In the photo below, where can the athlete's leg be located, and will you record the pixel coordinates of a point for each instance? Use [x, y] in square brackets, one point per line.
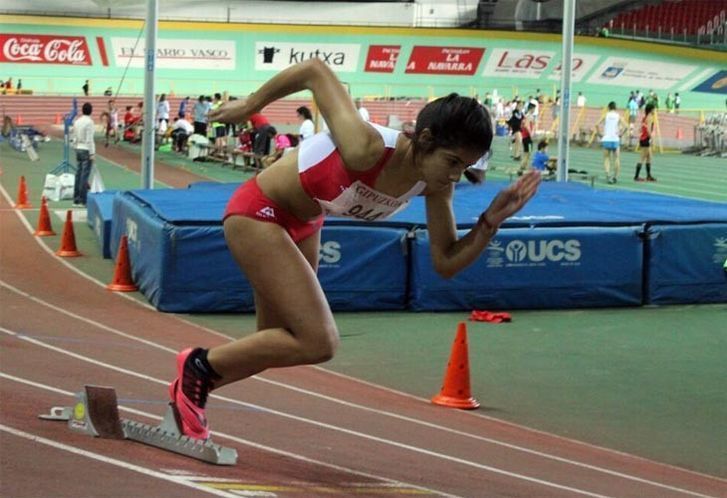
[606, 162]
[291, 297]
[616, 161]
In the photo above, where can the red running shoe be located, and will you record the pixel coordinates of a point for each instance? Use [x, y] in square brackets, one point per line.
[189, 407]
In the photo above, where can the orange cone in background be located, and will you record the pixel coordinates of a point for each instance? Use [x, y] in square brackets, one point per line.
[455, 392]
[18, 120]
[122, 281]
[44, 228]
[58, 118]
[68, 241]
[680, 134]
[21, 201]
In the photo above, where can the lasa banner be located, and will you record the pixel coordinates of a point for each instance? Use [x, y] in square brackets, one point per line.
[716, 84]
[44, 49]
[518, 63]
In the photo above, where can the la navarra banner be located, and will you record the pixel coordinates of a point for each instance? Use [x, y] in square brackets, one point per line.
[444, 60]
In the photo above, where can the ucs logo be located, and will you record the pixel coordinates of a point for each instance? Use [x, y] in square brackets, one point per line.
[330, 252]
[536, 251]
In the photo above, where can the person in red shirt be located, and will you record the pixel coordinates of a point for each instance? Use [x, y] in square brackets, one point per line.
[647, 128]
[261, 142]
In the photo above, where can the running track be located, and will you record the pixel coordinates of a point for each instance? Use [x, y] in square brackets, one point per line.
[299, 432]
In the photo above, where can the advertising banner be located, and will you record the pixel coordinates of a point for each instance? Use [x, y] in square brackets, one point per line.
[275, 56]
[44, 49]
[444, 60]
[716, 84]
[582, 65]
[177, 53]
[518, 63]
[640, 73]
[382, 58]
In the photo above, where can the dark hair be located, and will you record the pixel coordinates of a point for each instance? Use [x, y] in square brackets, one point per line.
[612, 106]
[542, 144]
[272, 131]
[87, 109]
[305, 112]
[648, 108]
[454, 121]
[218, 96]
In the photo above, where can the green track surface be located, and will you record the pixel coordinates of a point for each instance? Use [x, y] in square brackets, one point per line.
[649, 381]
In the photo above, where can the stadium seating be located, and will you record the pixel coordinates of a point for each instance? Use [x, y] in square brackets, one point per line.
[680, 16]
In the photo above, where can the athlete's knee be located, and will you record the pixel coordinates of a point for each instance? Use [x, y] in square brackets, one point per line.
[322, 347]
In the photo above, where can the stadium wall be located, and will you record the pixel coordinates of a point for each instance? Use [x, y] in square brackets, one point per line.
[56, 55]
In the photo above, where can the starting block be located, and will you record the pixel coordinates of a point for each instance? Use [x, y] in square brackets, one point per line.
[96, 413]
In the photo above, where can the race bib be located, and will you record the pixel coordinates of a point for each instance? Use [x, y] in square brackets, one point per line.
[364, 203]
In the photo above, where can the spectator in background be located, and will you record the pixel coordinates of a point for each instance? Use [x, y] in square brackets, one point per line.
[581, 100]
[108, 92]
[20, 85]
[307, 128]
[647, 128]
[9, 84]
[163, 113]
[200, 116]
[633, 115]
[281, 142]
[181, 131]
[677, 102]
[218, 129]
[669, 103]
[362, 110]
[527, 129]
[85, 146]
[183, 107]
[653, 99]
[613, 128]
[86, 88]
[542, 162]
[261, 142]
[515, 124]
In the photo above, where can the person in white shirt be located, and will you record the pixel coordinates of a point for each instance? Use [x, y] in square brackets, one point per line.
[613, 127]
[163, 113]
[82, 137]
[307, 128]
[362, 110]
[181, 131]
[581, 100]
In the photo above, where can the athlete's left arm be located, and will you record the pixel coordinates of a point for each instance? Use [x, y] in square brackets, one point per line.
[451, 255]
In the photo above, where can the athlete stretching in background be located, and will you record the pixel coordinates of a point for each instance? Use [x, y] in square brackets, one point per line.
[358, 170]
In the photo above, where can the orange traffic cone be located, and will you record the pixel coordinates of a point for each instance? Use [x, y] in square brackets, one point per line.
[68, 241]
[58, 118]
[44, 227]
[18, 120]
[680, 134]
[455, 392]
[21, 201]
[122, 281]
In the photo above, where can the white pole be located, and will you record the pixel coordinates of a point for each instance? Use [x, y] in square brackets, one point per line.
[569, 7]
[147, 143]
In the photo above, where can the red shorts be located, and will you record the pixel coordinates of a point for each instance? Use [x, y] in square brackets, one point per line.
[248, 200]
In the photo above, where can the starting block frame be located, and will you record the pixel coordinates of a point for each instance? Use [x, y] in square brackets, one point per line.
[96, 413]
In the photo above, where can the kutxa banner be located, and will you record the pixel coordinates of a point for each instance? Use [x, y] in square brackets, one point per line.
[44, 49]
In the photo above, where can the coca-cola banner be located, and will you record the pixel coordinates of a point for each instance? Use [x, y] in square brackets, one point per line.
[44, 49]
[444, 60]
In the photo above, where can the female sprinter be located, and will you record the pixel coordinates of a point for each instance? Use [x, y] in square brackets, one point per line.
[357, 170]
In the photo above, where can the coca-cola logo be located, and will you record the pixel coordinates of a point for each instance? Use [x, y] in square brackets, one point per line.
[44, 49]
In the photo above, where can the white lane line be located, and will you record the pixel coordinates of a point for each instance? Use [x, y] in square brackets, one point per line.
[388, 442]
[246, 442]
[548, 456]
[113, 461]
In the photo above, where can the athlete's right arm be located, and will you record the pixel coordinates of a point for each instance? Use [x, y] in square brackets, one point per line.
[359, 144]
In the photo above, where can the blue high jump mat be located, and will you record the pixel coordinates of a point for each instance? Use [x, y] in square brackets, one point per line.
[572, 246]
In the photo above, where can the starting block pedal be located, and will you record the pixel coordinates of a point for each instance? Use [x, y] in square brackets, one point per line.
[96, 413]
